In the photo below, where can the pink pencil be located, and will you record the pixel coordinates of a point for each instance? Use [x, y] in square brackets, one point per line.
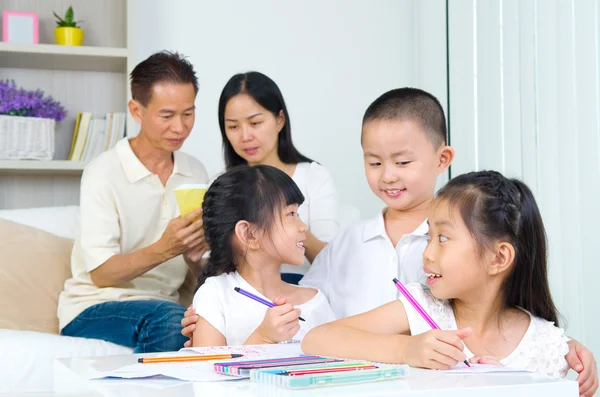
[419, 308]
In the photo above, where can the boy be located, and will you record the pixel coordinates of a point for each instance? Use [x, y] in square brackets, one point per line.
[404, 145]
[405, 149]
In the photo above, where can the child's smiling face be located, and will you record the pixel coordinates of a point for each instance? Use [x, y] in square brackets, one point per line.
[285, 240]
[401, 162]
[454, 266]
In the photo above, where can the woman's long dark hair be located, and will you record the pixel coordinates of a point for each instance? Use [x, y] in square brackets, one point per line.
[254, 194]
[496, 208]
[266, 93]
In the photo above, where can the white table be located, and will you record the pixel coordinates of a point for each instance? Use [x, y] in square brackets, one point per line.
[69, 381]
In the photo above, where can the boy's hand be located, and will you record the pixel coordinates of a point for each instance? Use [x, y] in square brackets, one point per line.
[486, 360]
[280, 322]
[188, 322]
[582, 361]
[437, 349]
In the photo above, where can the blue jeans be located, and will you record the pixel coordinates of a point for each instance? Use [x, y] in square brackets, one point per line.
[146, 326]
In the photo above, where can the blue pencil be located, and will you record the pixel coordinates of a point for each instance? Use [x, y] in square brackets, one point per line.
[258, 299]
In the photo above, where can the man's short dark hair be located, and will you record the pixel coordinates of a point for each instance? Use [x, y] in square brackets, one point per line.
[161, 67]
[411, 104]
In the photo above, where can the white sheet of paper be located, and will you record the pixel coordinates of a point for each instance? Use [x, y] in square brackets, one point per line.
[194, 371]
[200, 371]
[250, 352]
[480, 369]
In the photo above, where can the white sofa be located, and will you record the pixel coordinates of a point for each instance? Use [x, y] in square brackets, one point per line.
[28, 356]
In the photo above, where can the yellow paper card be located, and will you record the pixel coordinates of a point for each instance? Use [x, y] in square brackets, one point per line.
[189, 197]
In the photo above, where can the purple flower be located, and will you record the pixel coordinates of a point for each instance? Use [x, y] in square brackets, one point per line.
[20, 102]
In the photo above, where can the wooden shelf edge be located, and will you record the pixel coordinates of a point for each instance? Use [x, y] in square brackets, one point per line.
[41, 167]
[54, 49]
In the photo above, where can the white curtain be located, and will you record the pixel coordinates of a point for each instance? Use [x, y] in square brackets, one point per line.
[524, 99]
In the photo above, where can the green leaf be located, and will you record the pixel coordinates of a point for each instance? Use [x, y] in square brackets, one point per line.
[59, 19]
[69, 16]
[68, 22]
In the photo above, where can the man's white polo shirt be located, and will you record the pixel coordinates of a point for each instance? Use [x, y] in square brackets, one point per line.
[124, 207]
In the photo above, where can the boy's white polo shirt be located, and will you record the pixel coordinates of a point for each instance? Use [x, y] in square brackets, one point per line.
[124, 208]
[356, 269]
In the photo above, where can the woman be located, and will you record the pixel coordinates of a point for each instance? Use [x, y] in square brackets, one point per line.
[256, 129]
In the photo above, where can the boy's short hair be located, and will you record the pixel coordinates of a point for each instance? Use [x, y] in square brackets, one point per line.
[161, 67]
[411, 104]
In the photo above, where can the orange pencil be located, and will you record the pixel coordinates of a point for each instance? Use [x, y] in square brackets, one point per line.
[177, 359]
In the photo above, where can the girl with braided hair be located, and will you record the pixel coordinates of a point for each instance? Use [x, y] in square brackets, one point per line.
[251, 224]
[487, 289]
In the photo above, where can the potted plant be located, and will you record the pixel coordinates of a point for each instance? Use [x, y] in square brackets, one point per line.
[27, 122]
[67, 32]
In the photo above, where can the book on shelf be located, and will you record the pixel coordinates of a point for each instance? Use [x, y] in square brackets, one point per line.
[95, 134]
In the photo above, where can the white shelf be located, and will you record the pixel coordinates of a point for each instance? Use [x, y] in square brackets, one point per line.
[51, 56]
[39, 167]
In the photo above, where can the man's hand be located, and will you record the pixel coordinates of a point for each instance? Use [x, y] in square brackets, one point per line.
[194, 258]
[183, 234]
[582, 361]
[194, 255]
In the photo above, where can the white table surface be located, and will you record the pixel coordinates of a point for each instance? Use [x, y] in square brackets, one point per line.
[69, 381]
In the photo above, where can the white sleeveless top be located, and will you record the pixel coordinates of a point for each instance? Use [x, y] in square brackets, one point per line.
[542, 349]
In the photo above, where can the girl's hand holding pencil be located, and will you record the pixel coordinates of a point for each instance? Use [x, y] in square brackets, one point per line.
[437, 349]
[279, 324]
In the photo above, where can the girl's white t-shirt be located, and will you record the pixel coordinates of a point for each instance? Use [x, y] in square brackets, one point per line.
[236, 316]
[542, 349]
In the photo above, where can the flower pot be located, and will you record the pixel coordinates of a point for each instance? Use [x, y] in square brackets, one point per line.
[69, 36]
[29, 138]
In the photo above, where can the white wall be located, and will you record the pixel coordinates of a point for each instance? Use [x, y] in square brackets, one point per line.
[330, 58]
[525, 100]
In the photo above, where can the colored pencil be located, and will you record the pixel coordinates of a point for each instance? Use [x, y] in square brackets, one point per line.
[258, 299]
[174, 359]
[327, 370]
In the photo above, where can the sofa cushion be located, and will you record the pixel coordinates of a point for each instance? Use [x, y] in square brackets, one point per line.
[60, 220]
[33, 270]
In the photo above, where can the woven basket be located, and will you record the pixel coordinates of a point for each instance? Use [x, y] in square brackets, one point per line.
[24, 138]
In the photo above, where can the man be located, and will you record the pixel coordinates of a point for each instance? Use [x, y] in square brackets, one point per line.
[133, 252]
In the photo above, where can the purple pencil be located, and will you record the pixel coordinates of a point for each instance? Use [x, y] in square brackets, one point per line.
[419, 308]
[258, 299]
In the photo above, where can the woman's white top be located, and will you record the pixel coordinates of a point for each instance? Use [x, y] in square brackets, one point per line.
[542, 349]
[320, 208]
[236, 316]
